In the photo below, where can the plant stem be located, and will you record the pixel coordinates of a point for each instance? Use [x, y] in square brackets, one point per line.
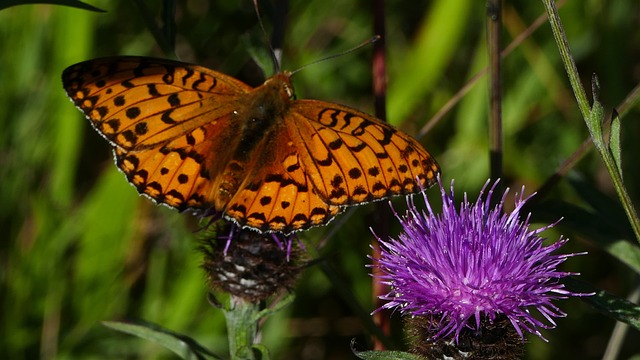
[613, 169]
[379, 71]
[592, 116]
[494, 35]
[567, 60]
[242, 327]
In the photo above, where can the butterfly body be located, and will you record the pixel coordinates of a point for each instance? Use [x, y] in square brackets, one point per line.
[256, 119]
[195, 139]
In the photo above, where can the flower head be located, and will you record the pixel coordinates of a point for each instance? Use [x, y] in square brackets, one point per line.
[470, 266]
[248, 264]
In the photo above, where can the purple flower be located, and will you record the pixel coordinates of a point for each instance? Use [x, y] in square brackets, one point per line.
[463, 268]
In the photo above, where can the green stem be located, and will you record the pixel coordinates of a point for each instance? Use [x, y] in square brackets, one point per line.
[242, 328]
[567, 59]
[593, 117]
[595, 128]
[624, 196]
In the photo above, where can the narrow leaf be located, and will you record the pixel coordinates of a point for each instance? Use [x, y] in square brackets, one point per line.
[72, 3]
[627, 252]
[614, 140]
[594, 123]
[386, 355]
[183, 346]
[612, 306]
[281, 304]
[382, 355]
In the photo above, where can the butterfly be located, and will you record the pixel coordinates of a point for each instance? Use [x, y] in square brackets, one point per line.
[195, 139]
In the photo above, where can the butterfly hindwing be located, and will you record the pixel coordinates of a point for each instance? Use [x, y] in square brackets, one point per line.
[278, 194]
[166, 177]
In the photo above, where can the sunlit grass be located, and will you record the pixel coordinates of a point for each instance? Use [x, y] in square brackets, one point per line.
[80, 246]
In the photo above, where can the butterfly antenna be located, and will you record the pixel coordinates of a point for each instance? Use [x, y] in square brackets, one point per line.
[349, 51]
[274, 57]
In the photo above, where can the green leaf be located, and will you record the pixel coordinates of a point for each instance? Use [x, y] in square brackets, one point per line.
[183, 346]
[386, 355]
[627, 252]
[281, 304]
[612, 306]
[259, 53]
[596, 117]
[594, 123]
[383, 355]
[614, 140]
[72, 3]
[262, 350]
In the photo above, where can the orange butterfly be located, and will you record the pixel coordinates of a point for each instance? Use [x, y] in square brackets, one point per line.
[196, 139]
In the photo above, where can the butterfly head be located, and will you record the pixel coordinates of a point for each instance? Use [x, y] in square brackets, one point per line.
[281, 83]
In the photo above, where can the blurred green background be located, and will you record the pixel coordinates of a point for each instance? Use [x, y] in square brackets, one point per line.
[80, 246]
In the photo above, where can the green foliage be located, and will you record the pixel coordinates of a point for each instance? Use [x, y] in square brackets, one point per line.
[70, 3]
[386, 355]
[612, 306]
[185, 348]
[80, 247]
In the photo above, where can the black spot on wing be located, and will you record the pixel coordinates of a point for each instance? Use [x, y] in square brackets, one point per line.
[141, 128]
[355, 173]
[373, 171]
[119, 100]
[183, 179]
[102, 111]
[153, 91]
[174, 100]
[133, 112]
[336, 144]
[166, 118]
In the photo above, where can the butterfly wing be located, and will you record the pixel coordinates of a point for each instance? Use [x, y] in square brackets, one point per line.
[174, 134]
[184, 172]
[138, 103]
[175, 128]
[161, 116]
[353, 158]
[278, 194]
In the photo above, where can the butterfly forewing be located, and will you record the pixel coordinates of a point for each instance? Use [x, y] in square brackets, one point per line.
[164, 117]
[137, 102]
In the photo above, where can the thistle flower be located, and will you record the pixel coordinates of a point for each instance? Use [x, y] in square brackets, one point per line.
[466, 270]
[248, 264]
